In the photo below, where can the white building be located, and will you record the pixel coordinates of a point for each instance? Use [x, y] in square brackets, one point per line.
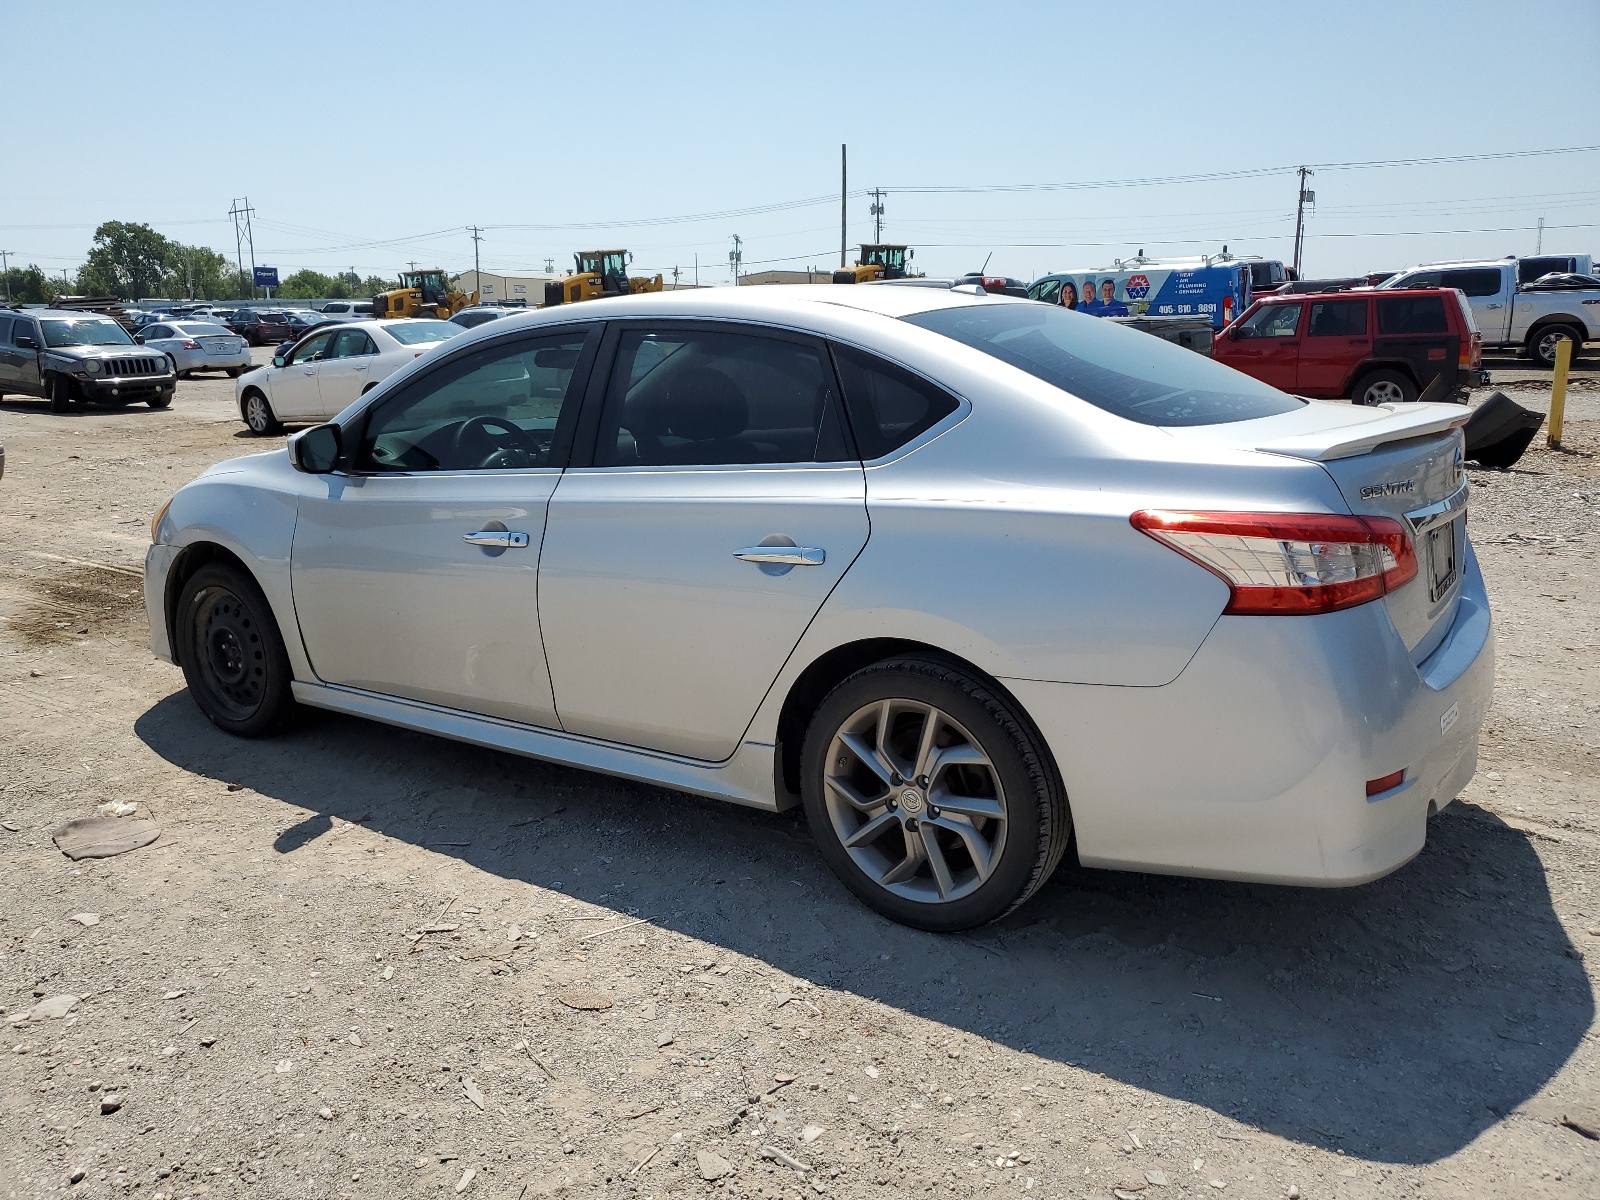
[497, 289]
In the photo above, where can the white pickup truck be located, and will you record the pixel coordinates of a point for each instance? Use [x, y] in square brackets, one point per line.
[1509, 313]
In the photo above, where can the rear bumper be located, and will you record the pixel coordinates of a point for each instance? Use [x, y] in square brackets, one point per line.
[1253, 763]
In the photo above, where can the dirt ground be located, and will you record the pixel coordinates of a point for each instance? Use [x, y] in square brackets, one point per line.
[360, 962]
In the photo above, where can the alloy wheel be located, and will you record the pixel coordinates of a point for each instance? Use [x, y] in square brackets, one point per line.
[256, 414]
[915, 801]
[1549, 344]
[1384, 391]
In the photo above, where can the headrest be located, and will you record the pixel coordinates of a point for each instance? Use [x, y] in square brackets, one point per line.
[702, 404]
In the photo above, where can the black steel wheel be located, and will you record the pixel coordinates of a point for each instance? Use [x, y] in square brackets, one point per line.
[231, 652]
[59, 389]
[932, 799]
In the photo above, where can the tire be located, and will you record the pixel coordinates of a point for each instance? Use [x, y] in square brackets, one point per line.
[232, 654]
[161, 400]
[1015, 816]
[1384, 387]
[1542, 344]
[257, 413]
[235, 372]
[59, 389]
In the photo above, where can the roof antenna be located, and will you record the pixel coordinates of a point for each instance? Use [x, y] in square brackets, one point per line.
[985, 267]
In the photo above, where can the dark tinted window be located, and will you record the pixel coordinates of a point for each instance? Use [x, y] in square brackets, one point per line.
[1412, 314]
[495, 410]
[888, 405]
[1418, 279]
[1339, 318]
[5, 329]
[694, 397]
[1124, 371]
[1482, 282]
[1529, 269]
[156, 331]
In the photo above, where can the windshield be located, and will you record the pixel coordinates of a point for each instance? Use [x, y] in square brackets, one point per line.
[94, 331]
[1123, 371]
[414, 333]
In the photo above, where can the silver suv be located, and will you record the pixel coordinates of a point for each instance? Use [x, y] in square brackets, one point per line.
[71, 358]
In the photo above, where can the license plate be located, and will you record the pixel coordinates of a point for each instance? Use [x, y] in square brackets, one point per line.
[1442, 559]
[218, 348]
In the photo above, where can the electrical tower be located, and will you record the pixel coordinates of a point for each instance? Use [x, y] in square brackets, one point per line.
[1307, 196]
[244, 234]
[736, 256]
[877, 214]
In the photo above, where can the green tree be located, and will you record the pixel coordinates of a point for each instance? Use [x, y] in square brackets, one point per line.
[199, 273]
[29, 285]
[305, 284]
[127, 259]
[373, 284]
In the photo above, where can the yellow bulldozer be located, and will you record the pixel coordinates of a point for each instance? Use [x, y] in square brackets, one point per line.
[422, 294]
[878, 261]
[596, 274]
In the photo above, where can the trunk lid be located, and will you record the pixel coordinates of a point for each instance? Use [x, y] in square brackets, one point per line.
[1404, 462]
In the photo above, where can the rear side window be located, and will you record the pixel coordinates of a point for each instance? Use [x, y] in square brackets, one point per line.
[1124, 371]
[1484, 282]
[1412, 315]
[1339, 318]
[700, 397]
[5, 329]
[888, 406]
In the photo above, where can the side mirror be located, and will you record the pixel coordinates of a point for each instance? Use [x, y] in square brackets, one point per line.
[316, 450]
[279, 360]
[139, 337]
[24, 342]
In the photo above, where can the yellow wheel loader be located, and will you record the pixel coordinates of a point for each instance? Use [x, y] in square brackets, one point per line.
[422, 294]
[596, 274]
[877, 261]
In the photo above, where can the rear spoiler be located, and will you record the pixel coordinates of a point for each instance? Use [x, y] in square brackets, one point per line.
[1389, 423]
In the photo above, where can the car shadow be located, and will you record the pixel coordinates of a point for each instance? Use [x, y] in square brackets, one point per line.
[1395, 1021]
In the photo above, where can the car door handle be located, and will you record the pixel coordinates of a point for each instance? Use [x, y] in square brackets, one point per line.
[788, 556]
[359, 366]
[505, 539]
[1496, 306]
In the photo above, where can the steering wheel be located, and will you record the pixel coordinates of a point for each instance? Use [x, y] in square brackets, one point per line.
[476, 441]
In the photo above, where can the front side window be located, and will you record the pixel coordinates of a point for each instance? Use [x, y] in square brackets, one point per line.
[493, 410]
[312, 349]
[1412, 315]
[1339, 318]
[889, 406]
[696, 397]
[1049, 291]
[98, 331]
[1123, 371]
[1271, 321]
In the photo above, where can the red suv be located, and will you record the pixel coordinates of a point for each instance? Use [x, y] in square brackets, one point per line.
[1374, 347]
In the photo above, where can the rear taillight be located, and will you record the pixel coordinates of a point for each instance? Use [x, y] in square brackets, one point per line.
[1284, 564]
[1471, 352]
[190, 345]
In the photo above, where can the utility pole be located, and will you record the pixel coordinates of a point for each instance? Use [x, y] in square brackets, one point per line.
[477, 236]
[736, 257]
[412, 263]
[1538, 247]
[844, 199]
[5, 273]
[549, 266]
[1306, 197]
[697, 270]
[674, 278]
[877, 214]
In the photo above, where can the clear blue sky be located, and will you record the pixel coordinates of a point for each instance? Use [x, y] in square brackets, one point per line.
[351, 127]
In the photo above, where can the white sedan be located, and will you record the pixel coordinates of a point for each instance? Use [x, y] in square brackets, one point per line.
[320, 375]
[198, 346]
[979, 582]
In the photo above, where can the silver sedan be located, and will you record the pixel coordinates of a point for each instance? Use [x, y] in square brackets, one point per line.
[977, 581]
[198, 346]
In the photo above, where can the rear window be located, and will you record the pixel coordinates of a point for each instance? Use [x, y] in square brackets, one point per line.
[1412, 315]
[415, 332]
[1478, 282]
[1126, 372]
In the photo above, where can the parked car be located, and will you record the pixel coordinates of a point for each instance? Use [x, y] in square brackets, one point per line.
[471, 318]
[327, 370]
[995, 285]
[302, 323]
[1376, 347]
[261, 326]
[73, 358]
[1510, 315]
[198, 346]
[347, 310]
[941, 567]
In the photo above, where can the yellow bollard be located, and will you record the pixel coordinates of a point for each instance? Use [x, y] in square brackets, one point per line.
[1558, 393]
